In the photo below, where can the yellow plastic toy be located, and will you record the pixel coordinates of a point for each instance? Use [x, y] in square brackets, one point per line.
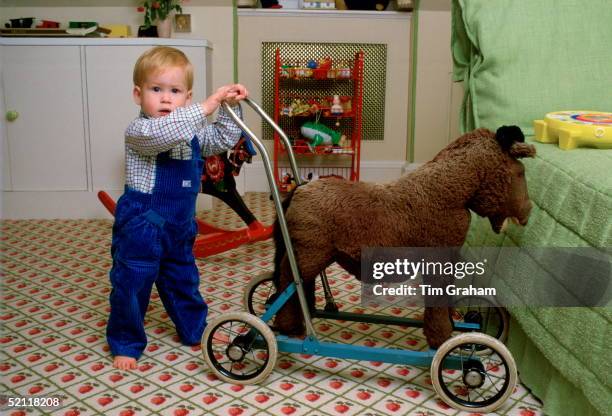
[572, 129]
[119, 31]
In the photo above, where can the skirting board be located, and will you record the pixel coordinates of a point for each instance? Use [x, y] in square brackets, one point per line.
[409, 167]
[64, 205]
[253, 177]
[85, 205]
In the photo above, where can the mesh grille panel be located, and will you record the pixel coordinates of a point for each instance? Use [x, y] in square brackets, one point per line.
[375, 70]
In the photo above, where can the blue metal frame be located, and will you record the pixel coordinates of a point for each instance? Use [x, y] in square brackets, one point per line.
[311, 345]
[356, 317]
[388, 320]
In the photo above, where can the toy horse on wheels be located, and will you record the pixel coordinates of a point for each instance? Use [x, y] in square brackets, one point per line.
[242, 348]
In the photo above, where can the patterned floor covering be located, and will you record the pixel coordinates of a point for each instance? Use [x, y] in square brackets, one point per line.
[54, 306]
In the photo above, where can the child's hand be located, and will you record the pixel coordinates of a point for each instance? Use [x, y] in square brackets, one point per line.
[237, 93]
[231, 93]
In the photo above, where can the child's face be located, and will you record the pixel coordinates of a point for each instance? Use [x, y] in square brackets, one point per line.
[163, 92]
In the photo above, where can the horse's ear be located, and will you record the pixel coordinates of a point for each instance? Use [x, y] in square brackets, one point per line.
[518, 150]
[512, 140]
[506, 136]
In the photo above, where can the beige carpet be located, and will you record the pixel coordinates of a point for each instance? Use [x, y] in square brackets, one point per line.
[54, 305]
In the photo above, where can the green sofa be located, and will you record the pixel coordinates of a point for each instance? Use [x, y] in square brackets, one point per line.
[518, 60]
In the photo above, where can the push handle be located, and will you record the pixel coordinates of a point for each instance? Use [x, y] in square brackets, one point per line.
[258, 144]
[282, 222]
[283, 136]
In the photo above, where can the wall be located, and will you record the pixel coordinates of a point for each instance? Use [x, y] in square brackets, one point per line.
[381, 160]
[437, 99]
[394, 31]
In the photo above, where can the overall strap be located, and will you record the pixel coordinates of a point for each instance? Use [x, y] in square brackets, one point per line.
[195, 148]
[164, 156]
[195, 151]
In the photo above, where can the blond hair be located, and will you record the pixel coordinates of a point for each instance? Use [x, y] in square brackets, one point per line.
[161, 57]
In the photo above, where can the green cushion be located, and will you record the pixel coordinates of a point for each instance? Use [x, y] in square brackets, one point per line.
[521, 59]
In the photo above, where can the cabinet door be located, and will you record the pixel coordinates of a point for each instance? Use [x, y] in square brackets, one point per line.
[46, 142]
[4, 160]
[111, 107]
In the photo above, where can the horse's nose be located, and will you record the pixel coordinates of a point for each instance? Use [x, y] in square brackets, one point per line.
[526, 211]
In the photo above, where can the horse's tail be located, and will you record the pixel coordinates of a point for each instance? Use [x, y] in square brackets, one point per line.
[279, 242]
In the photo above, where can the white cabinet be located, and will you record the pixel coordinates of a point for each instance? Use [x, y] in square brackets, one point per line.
[46, 144]
[73, 98]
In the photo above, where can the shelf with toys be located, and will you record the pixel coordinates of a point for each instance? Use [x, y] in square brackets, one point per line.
[307, 105]
[318, 103]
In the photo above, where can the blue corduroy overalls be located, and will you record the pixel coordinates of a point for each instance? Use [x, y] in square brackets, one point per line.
[153, 238]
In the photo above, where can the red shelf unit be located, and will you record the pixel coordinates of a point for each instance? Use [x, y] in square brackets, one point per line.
[293, 80]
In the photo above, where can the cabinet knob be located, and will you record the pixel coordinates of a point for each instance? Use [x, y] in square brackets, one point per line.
[12, 115]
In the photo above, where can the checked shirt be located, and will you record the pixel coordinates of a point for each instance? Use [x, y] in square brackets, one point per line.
[146, 137]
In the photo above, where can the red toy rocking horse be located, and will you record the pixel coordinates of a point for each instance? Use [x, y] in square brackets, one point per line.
[218, 181]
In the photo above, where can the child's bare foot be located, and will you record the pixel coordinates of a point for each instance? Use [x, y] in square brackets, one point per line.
[124, 363]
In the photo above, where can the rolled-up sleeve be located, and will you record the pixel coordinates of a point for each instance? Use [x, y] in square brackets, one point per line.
[151, 136]
[221, 135]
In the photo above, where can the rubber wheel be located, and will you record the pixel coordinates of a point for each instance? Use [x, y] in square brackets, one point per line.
[239, 348]
[257, 292]
[484, 383]
[477, 309]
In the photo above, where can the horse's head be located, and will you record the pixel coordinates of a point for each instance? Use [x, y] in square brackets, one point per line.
[502, 190]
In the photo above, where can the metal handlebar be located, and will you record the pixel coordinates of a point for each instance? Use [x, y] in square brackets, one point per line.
[276, 195]
[282, 135]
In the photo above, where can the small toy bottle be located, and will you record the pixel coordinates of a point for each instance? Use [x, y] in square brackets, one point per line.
[336, 108]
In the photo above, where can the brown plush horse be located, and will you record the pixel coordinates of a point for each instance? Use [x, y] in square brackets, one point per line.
[330, 220]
